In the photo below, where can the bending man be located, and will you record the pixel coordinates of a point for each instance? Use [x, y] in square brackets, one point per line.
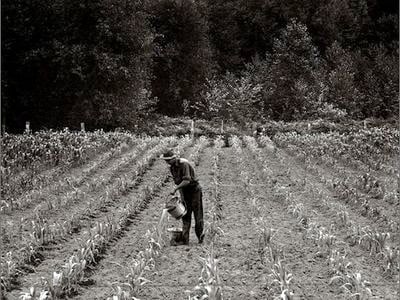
[190, 190]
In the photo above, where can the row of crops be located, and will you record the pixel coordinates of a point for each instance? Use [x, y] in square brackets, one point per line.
[30, 161]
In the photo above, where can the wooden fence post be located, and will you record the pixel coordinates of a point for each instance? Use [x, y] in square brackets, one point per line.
[27, 127]
[192, 130]
[82, 127]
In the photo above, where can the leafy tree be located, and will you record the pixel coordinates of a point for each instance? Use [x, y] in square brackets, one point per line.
[183, 58]
[231, 98]
[290, 76]
[378, 78]
[341, 84]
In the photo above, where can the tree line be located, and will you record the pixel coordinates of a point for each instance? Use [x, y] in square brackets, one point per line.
[116, 63]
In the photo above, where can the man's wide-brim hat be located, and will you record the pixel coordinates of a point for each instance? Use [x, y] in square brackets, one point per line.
[169, 154]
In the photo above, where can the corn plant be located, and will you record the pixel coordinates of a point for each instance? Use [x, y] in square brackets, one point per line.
[8, 271]
[73, 272]
[135, 277]
[325, 241]
[30, 253]
[338, 262]
[195, 156]
[281, 276]
[120, 294]
[275, 254]
[322, 237]
[55, 286]
[32, 295]
[354, 286]
[209, 286]
[355, 234]
[343, 216]
[374, 241]
[265, 236]
[392, 260]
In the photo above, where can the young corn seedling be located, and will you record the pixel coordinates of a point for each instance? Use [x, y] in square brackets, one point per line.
[374, 241]
[343, 216]
[325, 241]
[356, 287]
[209, 286]
[136, 271]
[120, 294]
[256, 207]
[73, 272]
[55, 287]
[32, 295]
[30, 253]
[39, 230]
[281, 276]
[296, 209]
[7, 271]
[392, 260]
[275, 254]
[212, 229]
[265, 236]
[338, 262]
[355, 234]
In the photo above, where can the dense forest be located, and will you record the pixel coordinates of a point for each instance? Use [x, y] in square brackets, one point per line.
[118, 63]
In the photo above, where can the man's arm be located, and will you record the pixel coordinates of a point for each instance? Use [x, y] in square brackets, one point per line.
[181, 185]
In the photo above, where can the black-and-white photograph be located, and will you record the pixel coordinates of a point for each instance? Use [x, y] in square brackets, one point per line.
[200, 150]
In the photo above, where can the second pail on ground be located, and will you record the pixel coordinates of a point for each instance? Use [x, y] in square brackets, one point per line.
[175, 207]
[176, 233]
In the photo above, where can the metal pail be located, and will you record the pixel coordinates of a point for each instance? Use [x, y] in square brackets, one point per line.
[175, 207]
[176, 233]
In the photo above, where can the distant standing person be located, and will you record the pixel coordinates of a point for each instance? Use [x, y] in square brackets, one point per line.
[190, 190]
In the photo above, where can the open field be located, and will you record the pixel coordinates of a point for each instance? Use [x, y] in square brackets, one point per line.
[297, 216]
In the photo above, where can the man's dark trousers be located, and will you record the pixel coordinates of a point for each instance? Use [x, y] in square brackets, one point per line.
[193, 198]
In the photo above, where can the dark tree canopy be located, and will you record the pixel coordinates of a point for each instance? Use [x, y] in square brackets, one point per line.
[110, 63]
